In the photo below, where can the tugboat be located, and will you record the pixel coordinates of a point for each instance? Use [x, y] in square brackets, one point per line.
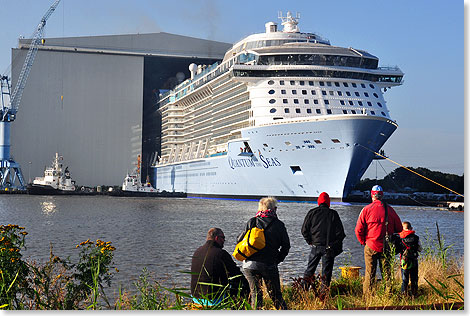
[133, 186]
[56, 181]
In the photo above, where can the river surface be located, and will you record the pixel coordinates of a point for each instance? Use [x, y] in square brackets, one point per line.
[161, 234]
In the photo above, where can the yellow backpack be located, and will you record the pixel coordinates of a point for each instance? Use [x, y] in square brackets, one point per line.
[252, 242]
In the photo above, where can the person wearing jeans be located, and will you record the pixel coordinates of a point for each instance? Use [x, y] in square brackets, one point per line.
[262, 265]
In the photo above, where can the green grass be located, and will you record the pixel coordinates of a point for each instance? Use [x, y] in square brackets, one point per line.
[63, 285]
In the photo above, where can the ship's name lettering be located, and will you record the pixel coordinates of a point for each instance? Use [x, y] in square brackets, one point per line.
[269, 162]
[240, 163]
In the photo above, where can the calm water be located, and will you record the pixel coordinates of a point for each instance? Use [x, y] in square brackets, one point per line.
[161, 234]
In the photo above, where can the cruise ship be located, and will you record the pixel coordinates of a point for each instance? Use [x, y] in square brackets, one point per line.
[284, 114]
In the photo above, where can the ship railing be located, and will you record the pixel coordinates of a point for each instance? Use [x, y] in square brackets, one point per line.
[192, 84]
[389, 68]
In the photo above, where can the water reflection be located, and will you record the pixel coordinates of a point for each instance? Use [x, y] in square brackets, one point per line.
[48, 207]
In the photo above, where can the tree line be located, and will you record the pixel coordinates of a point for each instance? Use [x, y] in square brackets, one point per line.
[400, 178]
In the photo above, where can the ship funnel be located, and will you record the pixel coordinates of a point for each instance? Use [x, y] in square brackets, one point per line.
[271, 27]
[192, 70]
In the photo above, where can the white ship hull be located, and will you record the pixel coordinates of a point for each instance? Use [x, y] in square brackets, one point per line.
[292, 161]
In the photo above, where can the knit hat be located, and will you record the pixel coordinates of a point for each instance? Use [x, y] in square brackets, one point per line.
[377, 190]
[324, 198]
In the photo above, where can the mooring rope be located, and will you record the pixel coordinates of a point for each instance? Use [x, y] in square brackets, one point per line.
[410, 170]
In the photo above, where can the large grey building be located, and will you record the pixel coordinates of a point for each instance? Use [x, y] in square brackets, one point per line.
[93, 100]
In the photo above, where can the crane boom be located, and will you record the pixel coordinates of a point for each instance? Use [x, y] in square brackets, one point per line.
[10, 171]
[36, 40]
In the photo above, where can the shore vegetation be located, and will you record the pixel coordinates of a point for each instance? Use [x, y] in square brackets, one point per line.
[60, 284]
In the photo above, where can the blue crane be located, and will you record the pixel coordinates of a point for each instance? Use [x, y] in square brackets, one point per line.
[10, 171]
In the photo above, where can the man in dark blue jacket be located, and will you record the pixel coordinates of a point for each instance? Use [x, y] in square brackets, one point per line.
[213, 265]
[315, 229]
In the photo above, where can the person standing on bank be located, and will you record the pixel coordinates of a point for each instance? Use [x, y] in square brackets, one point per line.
[263, 264]
[211, 264]
[370, 232]
[322, 227]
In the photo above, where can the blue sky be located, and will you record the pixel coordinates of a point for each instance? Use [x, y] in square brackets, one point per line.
[424, 38]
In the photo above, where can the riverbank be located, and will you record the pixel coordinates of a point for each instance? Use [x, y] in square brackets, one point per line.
[88, 282]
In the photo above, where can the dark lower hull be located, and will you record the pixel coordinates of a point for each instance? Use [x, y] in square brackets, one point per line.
[147, 194]
[47, 190]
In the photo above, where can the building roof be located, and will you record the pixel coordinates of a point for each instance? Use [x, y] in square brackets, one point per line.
[160, 44]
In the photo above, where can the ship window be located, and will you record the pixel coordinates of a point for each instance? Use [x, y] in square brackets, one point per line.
[278, 118]
[340, 93]
[318, 111]
[331, 92]
[328, 83]
[317, 141]
[323, 92]
[283, 91]
[292, 83]
[296, 101]
[372, 112]
[272, 101]
[345, 84]
[309, 111]
[351, 102]
[286, 110]
[315, 101]
[379, 104]
[354, 85]
[356, 93]
[306, 101]
[375, 95]
[271, 91]
[363, 85]
[273, 110]
[327, 102]
[335, 140]
[322, 83]
[302, 83]
[345, 112]
[297, 110]
[348, 93]
[314, 92]
[337, 84]
[284, 101]
[360, 103]
[372, 86]
[383, 113]
[281, 82]
[270, 82]
[304, 91]
[353, 111]
[296, 170]
[366, 94]
[310, 83]
[341, 101]
[294, 91]
[328, 111]
[369, 103]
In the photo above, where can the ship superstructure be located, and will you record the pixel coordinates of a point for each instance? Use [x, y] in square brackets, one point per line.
[56, 180]
[282, 114]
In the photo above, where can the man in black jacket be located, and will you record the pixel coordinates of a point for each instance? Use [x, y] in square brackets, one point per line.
[212, 264]
[315, 231]
[263, 264]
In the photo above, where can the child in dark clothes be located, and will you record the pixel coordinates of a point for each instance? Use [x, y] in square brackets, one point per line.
[409, 258]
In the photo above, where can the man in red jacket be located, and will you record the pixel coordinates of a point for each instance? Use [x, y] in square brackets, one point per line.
[370, 231]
